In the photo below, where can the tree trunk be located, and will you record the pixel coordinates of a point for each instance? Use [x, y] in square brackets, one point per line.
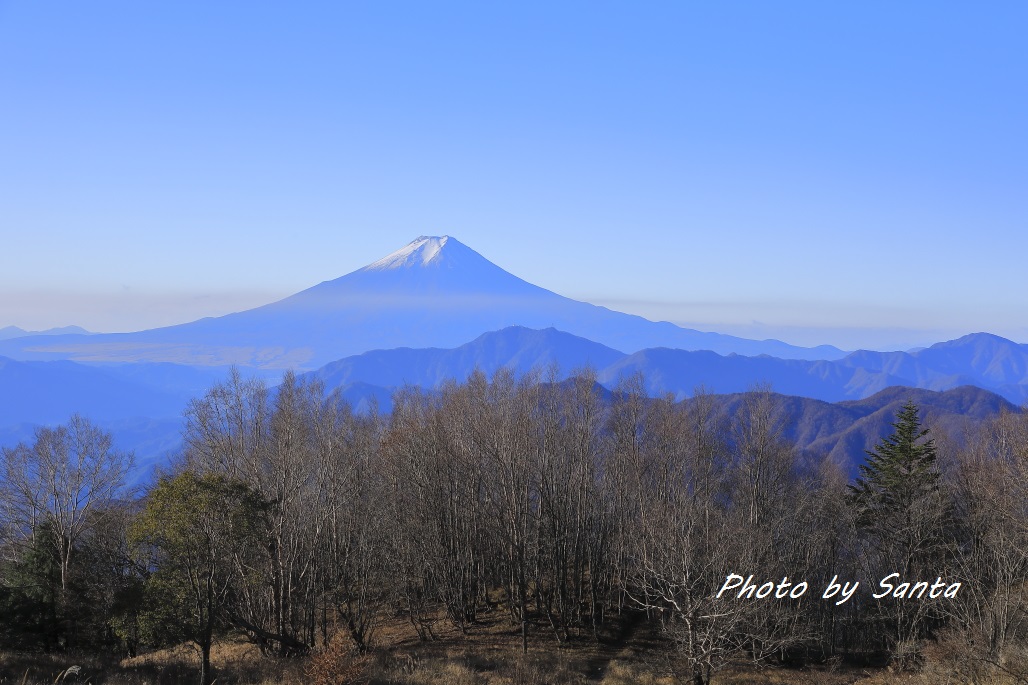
[205, 660]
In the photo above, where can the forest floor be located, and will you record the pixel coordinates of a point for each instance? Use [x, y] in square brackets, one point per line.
[629, 650]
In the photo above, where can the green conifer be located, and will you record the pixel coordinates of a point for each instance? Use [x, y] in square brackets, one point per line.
[900, 472]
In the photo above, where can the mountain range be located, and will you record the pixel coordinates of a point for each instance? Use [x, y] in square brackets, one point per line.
[436, 310]
[982, 360]
[8, 332]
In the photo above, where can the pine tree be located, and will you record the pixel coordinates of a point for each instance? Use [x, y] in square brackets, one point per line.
[899, 510]
[899, 474]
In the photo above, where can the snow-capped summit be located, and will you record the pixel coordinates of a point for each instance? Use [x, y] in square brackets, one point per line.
[422, 251]
[430, 269]
[433, 292]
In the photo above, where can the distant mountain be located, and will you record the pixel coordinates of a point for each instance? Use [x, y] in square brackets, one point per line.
[680, 372]
[982, 360]
[50, 392]
[153, 442]
[141, 405]
[520, 349]
[408, 319]
[435, 292]
[176, 379]
[840, 431]
[8, 332]
[844, 430]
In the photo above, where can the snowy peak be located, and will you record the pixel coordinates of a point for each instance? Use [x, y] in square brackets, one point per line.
[429, 271]
[424, 251]
[433, 292]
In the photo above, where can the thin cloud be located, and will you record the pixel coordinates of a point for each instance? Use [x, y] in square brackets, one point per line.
[121, 310]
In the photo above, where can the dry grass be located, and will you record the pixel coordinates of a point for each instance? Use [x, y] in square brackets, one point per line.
[515, 670]
[629, 652]
[233, 661]
[622, 673]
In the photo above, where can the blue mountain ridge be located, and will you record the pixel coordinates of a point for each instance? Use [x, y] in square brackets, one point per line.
[143, 404]
[419, 317]
[8, 332]
[982, 360]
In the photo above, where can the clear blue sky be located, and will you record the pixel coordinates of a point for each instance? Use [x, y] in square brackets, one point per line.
[851, 173]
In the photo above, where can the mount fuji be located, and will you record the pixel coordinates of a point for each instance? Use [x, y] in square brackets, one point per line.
[434, 292]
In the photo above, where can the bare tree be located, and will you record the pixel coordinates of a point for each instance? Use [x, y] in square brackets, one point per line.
[271, 442]
[679, 541]
[707, 498]
[507, 441]
[62, 485]
[436, 487]
[571, 562]
[354, 507]
[989, 484]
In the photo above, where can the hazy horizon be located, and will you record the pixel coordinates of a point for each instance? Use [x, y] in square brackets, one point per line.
[137, 311]
[847, 175]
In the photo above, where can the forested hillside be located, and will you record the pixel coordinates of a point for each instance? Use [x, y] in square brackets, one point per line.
[568, 518]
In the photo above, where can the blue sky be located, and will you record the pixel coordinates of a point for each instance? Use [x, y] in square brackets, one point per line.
[850, 173]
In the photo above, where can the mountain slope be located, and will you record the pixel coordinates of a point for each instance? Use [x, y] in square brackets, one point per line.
[520, 349]
[435, 292]
[844, 430]
[50, 392]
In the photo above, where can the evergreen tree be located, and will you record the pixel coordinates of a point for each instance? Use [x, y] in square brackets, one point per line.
[30, 584]
[197, 534]
[900, 514]
[899, 474]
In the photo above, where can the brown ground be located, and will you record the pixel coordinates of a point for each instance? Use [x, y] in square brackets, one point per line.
[629, 651]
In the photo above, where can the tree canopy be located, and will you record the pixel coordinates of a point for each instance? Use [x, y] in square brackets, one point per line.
[197, 533]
